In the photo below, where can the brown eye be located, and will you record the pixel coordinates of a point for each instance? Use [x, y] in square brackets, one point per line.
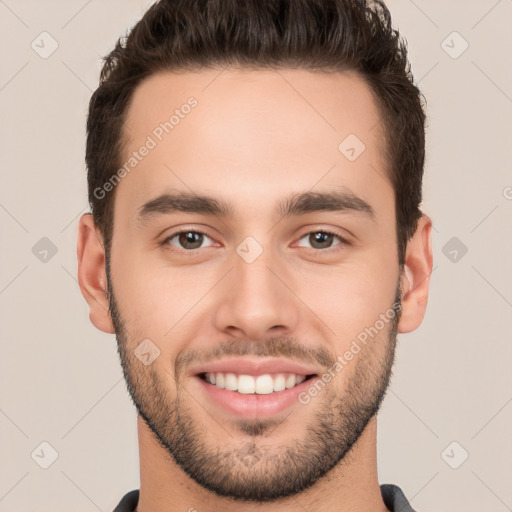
[191, 240]
[188, 240]
[322, 239]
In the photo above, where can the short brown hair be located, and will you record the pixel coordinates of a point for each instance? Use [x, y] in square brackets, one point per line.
[319, 35]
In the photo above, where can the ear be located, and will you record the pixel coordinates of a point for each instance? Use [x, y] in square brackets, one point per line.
[415, 278]
[92, 277]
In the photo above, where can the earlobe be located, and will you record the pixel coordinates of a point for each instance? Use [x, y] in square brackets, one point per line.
[91, 274]
[415, 279]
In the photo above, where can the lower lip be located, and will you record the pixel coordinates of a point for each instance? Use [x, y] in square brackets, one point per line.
[253, 406]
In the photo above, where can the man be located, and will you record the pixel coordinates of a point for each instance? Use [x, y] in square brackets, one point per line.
[256, 244]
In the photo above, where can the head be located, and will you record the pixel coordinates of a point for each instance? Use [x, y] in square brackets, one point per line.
[274, 214]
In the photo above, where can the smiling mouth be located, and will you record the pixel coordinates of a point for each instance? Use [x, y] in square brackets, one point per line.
[254, 384]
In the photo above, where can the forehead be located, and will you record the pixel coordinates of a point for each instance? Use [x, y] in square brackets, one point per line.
[253, 134]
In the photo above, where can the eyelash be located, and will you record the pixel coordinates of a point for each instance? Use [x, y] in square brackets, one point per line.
[167, 245]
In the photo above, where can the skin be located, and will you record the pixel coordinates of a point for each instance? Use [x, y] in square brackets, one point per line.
[319, 298]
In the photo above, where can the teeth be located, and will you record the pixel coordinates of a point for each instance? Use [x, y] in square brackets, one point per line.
[230, 382]
[290, 381]
[279, 382]
[264, 385]
[260, 385]
[246, 384]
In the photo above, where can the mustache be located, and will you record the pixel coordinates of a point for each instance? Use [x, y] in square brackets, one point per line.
[282, 346]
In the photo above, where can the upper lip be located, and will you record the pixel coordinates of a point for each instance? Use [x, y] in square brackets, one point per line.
[259, 366]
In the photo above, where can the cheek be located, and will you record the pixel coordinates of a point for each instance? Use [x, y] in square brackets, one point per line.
[159, 302]
[351, 297]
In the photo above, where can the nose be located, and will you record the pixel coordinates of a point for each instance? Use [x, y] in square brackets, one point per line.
[257, 300]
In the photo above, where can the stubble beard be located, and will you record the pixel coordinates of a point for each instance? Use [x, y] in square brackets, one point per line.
[246, 469]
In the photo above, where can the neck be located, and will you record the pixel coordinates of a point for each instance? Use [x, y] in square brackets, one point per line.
[351, 486]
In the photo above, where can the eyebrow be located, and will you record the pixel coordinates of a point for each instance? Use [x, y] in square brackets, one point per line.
[295, 205]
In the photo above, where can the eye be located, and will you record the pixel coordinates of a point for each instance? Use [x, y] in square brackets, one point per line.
[188, 239]
[323, 239]
[191, 240]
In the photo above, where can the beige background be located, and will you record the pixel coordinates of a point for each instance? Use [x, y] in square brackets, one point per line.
[61, 381]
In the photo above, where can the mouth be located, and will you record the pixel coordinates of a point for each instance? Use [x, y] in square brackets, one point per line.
[253, 388]
[245, 384]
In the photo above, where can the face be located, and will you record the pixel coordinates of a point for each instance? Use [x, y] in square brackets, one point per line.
[254, 271]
